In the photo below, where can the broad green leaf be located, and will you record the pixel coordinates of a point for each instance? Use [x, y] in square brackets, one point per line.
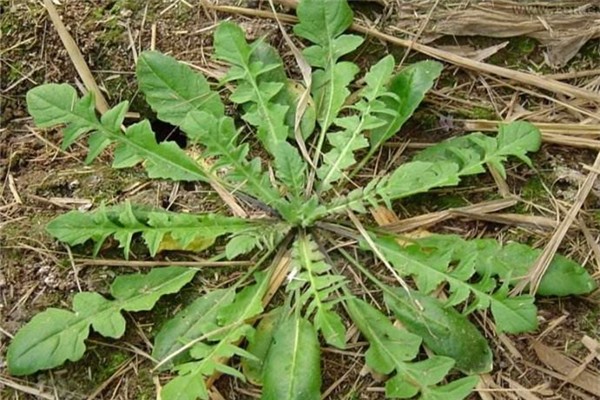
[173, 89]
[512, 261]
[310, 271]
[392, 349]
[197, 319]
[52, 104]
[55, 336]
[155, 226]
[292, 369]
[322, 21]
[445, 331]
[431, 268]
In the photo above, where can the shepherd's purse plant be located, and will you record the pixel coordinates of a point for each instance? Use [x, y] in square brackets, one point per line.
[315, 137]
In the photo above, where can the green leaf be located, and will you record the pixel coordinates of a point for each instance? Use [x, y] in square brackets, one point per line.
[290, 95]
[259, 344]
[441, 165]
[197, 319]
[155, 226]
[292, 369]
[370, 107]
[409, 88]
[55, 336]
[316, 275]
[228, 326]
[269, 117]
[512, 261]
[323, 21]
[52, 104]
[471, 152]
[290, 168]
[445, 331]
[389, 345]
[431, 268]
[392, 349]
[220, 138]
[173, 89]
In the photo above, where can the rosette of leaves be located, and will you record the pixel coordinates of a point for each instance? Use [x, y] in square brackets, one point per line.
[345, 126]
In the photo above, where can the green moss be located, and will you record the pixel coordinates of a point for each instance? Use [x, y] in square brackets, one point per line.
[483, 113]
[534, 190]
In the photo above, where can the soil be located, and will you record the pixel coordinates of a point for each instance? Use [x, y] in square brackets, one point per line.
[41, 181]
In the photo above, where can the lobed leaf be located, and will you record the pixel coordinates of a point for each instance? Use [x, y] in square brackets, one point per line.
[268, 116]
[322, 23]
[55, 336]
[442, 165]
[223, 328]
[391, 349]
[311, 271]
[409, 87]
[53, 104]
[512, 261]
[432, 268]
[160, 229]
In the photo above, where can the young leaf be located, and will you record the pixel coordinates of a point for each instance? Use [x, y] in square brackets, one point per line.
[430, 269]
[322, 23]
[56, 335]
[314, 273]
[155, 226]
[292, 369]
[512, 261]
[53, 104]
[391, 349]
[173, 89]
[445, 331]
